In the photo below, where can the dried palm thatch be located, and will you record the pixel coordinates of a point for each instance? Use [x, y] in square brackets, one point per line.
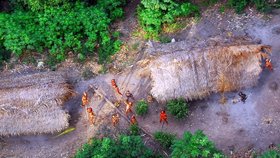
[31, 104]
[196, 74]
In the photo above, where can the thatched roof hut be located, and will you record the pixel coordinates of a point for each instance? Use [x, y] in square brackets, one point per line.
[31, 104]
[195, 74]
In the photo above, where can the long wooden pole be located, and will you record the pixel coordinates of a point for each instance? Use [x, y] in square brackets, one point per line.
[123, 115]
[110, 103]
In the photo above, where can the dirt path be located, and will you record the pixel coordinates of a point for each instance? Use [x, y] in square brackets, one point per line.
[230, 126]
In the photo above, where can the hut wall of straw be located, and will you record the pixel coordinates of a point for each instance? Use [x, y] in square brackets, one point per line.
[31, 104]
[198, 73]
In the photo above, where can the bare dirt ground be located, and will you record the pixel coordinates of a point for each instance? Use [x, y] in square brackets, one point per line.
[233, 127]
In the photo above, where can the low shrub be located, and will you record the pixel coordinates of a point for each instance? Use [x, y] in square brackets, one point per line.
[222, 9]
[141, 107]
[178, 108]
[165, 139]
[164, 39]
[134, 130]
[272, 153]
[4, 55]
[261, 5]
[124, 146]
[238, 5]
[211, 2]
[135, 46]
[194, 146]
[87, 73]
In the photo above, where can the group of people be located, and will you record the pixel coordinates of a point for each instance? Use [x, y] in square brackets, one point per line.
[128, 101]
[128, 104]
[90, 113]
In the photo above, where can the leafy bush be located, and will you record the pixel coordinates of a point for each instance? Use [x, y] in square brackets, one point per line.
[35, 5]
[165, 139]
[4, 55]
[141, 107]
[271, 153]
[112, 7]
[261, 5]
[209, 2]
[178, 107]
[124, 146]
[153, 13]
[87, 73]
[194, 145]
[59, 29]
[134, 130]
[222, 9]
[238, 5]
[164, 39]
[135, 46]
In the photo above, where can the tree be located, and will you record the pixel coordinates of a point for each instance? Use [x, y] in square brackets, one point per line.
[195, 145]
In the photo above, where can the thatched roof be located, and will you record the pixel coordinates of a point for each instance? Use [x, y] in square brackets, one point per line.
[31, 104]
[196, 73]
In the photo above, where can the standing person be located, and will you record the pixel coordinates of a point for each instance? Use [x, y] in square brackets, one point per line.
[128, 95]
[91, 116]
[268, 64]
[150, 98]
[115, 119]
[163, 117]
[114, 85]
[242, 96]
[128, 107]
[84, 99]
[133, 120]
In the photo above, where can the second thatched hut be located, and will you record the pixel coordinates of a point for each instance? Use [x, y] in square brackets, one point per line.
[32, 103]
[195, 74]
